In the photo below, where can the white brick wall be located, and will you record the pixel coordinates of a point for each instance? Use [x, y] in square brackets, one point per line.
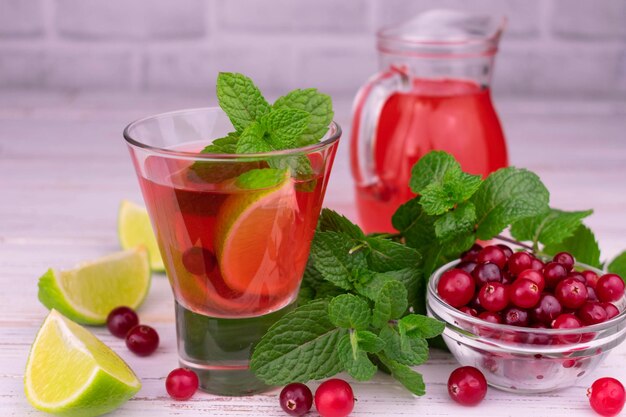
[565, 48]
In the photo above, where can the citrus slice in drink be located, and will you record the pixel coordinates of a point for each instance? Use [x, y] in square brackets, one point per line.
[253, 237]
[134, 229]
[71, 373]
[88, 293]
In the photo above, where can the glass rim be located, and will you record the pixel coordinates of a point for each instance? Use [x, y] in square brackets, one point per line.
[453, 312]
[332, 135]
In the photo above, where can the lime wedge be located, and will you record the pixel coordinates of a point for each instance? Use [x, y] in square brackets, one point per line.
[134, 229]
[71, 373]
[249, 226]
[89, 292]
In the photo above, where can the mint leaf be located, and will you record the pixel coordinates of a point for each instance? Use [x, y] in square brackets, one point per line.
[300, 346]
[331, 221]
[240, 99]
[355, 360]
[432, 169]
[458, 222]
[386, 255]
[414, 325]
[251, 140]
[411, 380]
[318, 105]
[582, 244]
[368, 341]
[550, 227]
[414, 351]
[411, 278]
[226, 144]
[507, 196]
[349, 312]
[332, 258]
[415, 225]
[618, 265]
[456, 188]
[391, 303]
[260, 178]
[284, 127]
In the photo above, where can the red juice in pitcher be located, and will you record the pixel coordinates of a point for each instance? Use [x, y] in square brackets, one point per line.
[432, 93]
[455, 116]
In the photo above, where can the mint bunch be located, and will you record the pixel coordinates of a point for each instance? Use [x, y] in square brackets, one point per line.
[359, 300]
[362, 296]
[296, 120]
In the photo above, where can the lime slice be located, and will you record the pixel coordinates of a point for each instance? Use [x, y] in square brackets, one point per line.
[249, 226]
[134, 229]
[71, 373]
[89, 292]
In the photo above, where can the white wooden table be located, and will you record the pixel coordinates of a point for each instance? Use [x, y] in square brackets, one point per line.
[64, 169]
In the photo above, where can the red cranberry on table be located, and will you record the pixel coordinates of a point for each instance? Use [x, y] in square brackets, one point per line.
[142, 340]
[181, 384]
[120, 320]
[607, 396]
[467, 385]
[334, 398]
[296, 399]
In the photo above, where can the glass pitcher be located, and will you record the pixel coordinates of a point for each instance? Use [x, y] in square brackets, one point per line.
[432, 92]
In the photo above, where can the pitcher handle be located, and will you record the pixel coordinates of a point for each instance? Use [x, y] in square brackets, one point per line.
[366, 110]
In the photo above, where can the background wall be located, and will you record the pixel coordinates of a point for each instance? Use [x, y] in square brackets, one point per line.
[556, 48]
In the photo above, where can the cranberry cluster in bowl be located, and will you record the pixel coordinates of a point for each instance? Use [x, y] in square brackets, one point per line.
[530, 323]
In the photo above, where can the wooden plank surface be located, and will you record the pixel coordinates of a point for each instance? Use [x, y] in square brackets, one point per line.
[64, 169]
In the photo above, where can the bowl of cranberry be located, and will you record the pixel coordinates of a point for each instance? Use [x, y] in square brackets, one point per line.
[530, 323]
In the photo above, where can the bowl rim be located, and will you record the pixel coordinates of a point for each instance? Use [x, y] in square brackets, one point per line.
[433, 295]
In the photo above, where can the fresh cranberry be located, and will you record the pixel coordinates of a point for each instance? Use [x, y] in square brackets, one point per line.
[466, 266]
[514, 316]
[456, 287]
[507, 251]
[120, 320]
[493, 296]
[475, 303]
[467, 385]
[591, 278]
[611, 310]
[571, 293]
[181, 384]
[592, 313]
[469, 311]
[553, 272]
[296, 399]
[487, 272]
[546, 310]
[519, 262]
[472, 253]
[198, 260]
[490, 317]
[566, 259]
[578, 277]
[492, 254]
[534, 276]
[610, 287]
[142, 340]
[591, 294]
[567, 321]
[334, 398]
[524, 293]
[607, 396]
[537, 265]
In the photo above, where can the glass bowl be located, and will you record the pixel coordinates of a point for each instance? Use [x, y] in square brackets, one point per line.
[524, 359]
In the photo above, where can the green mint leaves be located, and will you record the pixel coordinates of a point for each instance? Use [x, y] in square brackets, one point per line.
[261, 178]
[298, 119]
[364, 292]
